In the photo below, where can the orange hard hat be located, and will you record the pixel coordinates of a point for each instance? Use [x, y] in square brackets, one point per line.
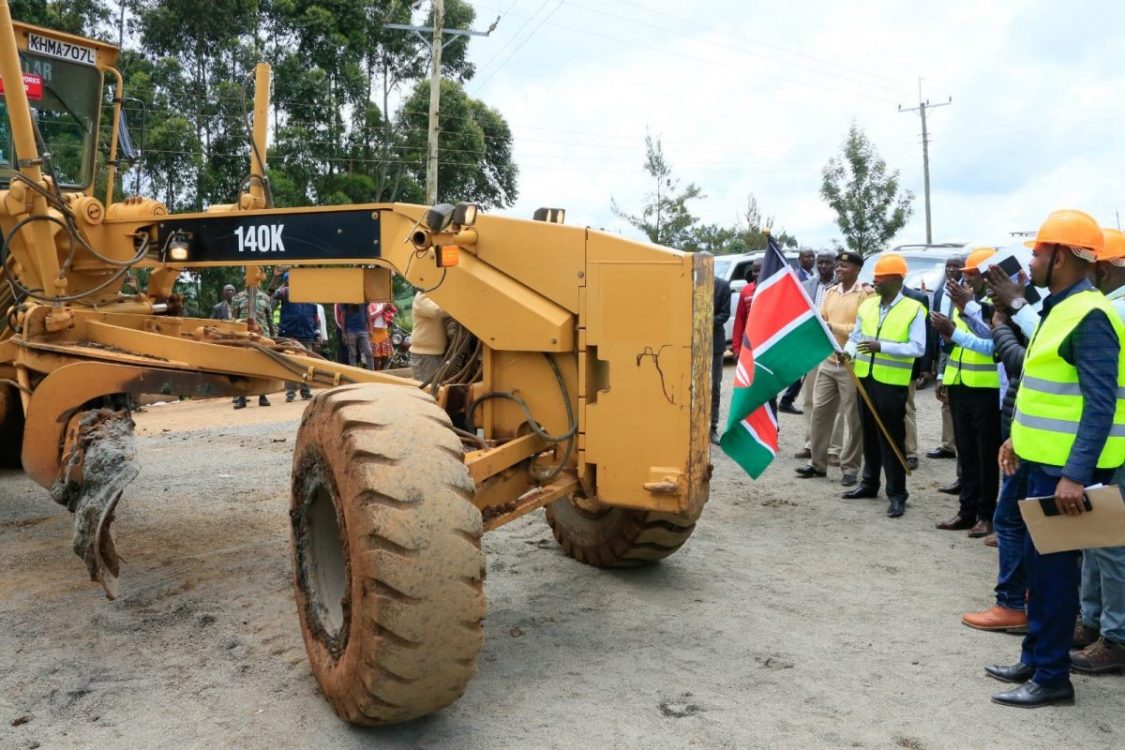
[1071, 228]
[1114, 248]
[890, 264]
[978, 256]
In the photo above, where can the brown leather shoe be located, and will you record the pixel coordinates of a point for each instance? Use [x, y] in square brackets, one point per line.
[1100, 656]
[957, 523]
[803, 453]
[990, 541]
[997, 618]
[1084, 635]
[982, 528]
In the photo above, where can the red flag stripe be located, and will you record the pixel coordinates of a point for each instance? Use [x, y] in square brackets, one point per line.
[775, 307]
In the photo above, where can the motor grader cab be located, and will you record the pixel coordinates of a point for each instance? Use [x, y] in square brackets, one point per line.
[588, 391]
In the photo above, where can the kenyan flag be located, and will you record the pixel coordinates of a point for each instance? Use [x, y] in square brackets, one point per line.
[783, 340]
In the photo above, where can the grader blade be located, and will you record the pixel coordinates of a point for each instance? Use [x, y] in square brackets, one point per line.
[99, 463]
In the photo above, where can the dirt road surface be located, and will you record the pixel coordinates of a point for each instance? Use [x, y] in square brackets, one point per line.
[792, 619]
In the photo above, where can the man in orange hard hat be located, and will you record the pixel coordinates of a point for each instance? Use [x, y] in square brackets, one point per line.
[1069, 431]
[889, 334]
[971, 384]
[1099, 637]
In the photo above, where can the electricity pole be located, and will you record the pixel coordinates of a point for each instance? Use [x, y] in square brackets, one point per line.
[923, 105]
[436, 46]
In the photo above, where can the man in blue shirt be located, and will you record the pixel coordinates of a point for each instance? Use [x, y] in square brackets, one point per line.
[298, 321]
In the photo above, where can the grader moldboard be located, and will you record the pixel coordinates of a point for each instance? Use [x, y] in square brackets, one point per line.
[592, 397]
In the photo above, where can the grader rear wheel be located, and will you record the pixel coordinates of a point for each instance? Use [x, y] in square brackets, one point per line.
[617, 537]
[386, 553]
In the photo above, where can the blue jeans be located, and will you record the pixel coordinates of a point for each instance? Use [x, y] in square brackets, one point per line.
[1052, 595]
[1011, 538]
[1103, 586]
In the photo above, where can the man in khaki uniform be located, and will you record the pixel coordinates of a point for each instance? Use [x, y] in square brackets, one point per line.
[428, 339]
[835, 391]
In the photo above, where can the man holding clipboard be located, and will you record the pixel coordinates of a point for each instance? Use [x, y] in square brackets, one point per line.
[1069, 430]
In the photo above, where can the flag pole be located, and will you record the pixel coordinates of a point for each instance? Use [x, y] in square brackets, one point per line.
[875, 414]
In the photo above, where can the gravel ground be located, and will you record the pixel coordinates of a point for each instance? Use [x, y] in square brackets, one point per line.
[792, 618]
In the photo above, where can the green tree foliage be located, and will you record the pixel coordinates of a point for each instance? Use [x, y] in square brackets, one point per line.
[869, 204]
[665, 218]
[345, 125]
[752, 229]
[472, 133]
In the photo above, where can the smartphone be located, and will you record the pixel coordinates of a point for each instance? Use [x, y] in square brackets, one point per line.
[1011, 266]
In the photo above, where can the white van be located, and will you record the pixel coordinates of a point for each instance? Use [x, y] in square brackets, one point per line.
[733, 268]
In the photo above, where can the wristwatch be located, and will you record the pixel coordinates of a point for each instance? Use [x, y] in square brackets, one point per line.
[1018, 303]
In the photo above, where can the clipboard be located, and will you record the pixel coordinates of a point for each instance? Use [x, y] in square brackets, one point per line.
[1102, 525]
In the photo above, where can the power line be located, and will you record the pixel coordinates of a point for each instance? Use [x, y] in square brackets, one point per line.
[518, 47]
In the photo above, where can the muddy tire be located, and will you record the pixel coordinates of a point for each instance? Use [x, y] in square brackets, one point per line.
[386, 553]
[617, 537]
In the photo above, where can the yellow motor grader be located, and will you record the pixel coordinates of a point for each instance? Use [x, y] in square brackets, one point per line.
[589, 391]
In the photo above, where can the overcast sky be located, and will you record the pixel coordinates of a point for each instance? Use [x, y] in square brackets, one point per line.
[752, 96]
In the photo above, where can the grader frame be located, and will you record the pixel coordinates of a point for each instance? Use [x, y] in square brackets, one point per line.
[593, 399]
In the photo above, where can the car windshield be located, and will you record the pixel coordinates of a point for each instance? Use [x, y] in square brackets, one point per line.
[64, 99]
[722, 268]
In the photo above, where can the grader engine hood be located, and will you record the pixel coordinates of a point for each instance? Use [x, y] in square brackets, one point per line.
[645, 353]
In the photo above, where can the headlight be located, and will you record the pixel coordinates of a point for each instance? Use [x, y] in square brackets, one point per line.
[396, 339]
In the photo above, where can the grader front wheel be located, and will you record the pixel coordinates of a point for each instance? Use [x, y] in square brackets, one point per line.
[386, 553]
[617, 537]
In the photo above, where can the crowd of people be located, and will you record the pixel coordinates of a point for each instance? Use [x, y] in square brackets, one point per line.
[362, 331]
[1032, 394]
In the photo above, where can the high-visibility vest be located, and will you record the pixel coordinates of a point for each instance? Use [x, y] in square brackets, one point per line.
[887, 368]
[966, 367]
[1049, 402]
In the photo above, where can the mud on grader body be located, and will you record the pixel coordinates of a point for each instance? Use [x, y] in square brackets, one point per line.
[591, 396]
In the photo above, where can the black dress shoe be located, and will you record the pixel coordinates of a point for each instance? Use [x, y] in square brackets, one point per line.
[1033, 695]
[951, 489]
[808, 472]
[1017, 673]
[714, 438]
[789, 409]
[940, 453]
[860, 493]
[240, 402]
[912, 462]
[896, 508]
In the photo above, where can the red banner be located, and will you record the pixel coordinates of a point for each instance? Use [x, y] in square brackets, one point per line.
[32, 84]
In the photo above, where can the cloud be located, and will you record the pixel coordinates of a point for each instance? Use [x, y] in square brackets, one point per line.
[756, 97]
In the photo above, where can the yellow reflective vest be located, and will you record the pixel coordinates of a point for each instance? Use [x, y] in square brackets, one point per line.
[966, 367]
[1049, 402]
[895, 327]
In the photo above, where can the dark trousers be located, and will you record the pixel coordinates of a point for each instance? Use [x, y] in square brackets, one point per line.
[791, 393]
[878, 456]
[976, 431]
[1052, 596]
[1011, 541]
[291, 387]
[716, 388]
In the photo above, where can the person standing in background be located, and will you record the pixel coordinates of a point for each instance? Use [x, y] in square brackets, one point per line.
[352, 320]
[428, 340]
[718, 351]
[380, 315]
[224, 310]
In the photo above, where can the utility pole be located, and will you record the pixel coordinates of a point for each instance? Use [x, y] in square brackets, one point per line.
[436, 46]
[923, 105]
[435, 101]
